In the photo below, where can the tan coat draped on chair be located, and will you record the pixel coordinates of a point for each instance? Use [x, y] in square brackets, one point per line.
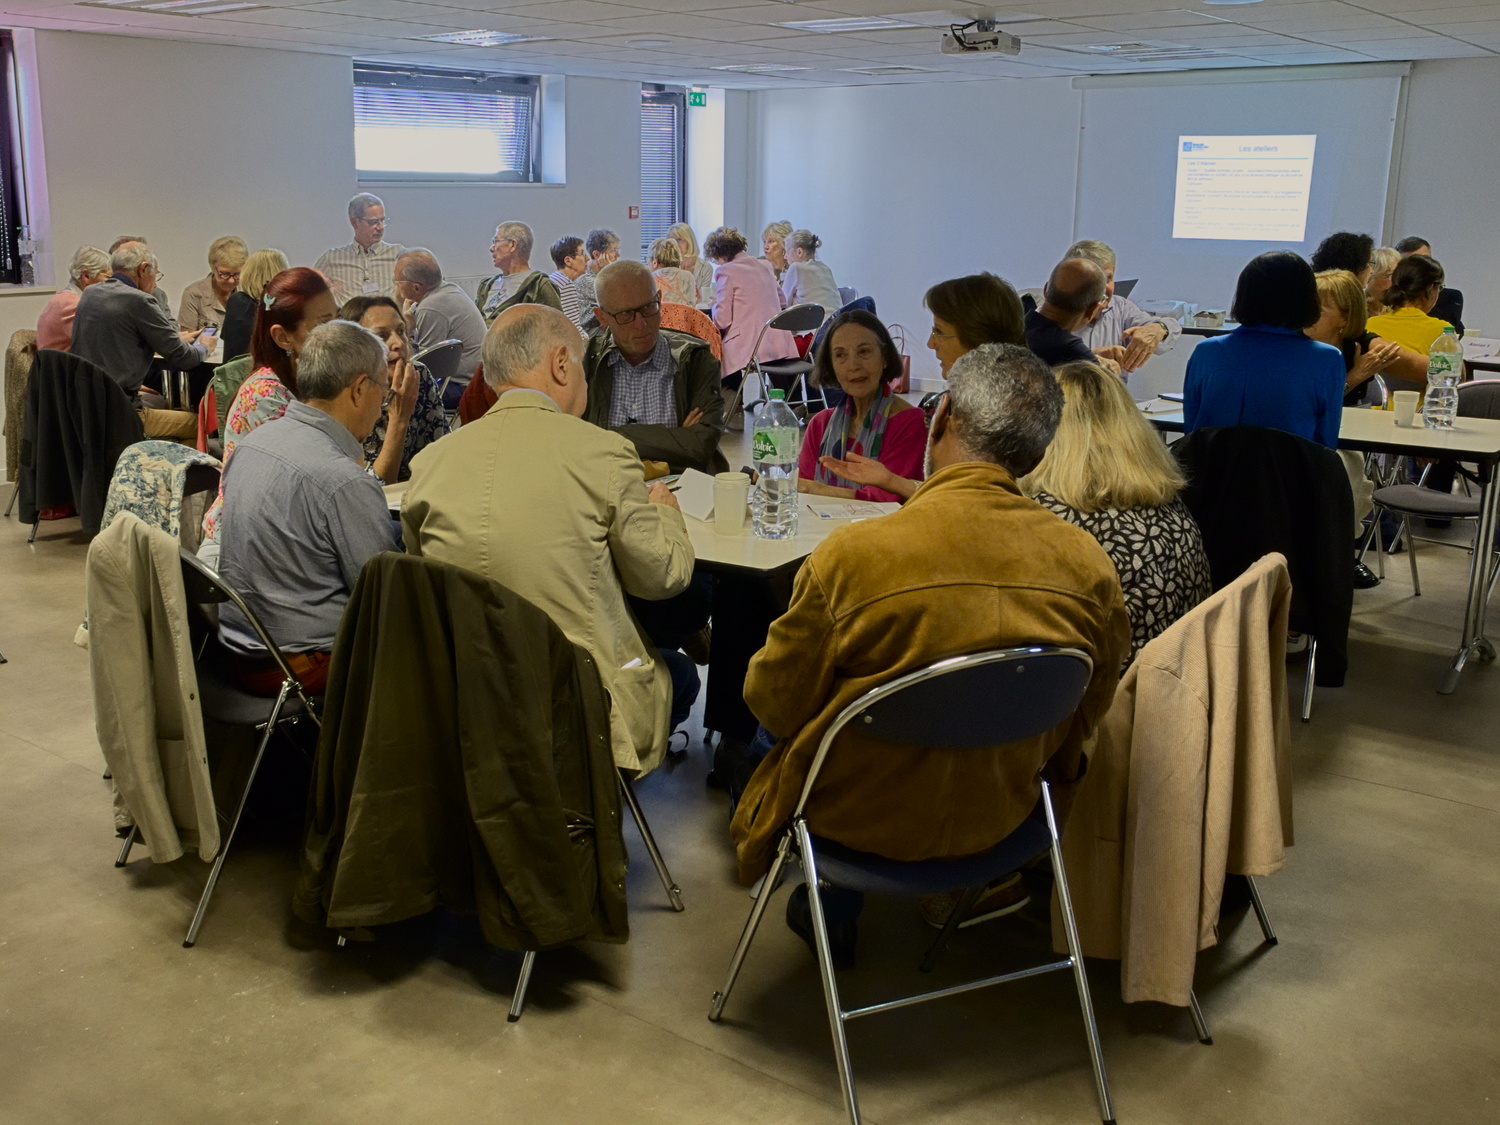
[19, 355]
[1190, 778]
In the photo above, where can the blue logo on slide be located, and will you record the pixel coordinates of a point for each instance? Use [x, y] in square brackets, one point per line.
[1193, 146]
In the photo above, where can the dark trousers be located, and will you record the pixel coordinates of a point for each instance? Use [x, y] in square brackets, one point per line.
[670, 623]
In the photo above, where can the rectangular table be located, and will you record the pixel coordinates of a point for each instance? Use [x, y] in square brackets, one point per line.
[1474, 440]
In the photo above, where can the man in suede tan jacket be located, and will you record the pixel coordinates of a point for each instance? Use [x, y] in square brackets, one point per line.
[968, 564]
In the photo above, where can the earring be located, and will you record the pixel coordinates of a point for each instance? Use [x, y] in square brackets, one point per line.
[290, 354]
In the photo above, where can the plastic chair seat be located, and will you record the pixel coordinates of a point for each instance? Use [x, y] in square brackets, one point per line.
[874, 874]
[224, 702]
[1416, 500]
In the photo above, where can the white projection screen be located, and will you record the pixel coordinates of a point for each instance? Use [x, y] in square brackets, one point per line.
[1128, 173]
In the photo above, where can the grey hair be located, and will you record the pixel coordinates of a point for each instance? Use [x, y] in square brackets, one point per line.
[420, 266]
[623, 270]
[362, 203]
[88, 259]
[336, 354]
[124, 238]
[599, 240]
[130, 257]
[521, 341]
[805, 241]
[522, 235]
[781, 230]
[1005, 403]
[1095, 251]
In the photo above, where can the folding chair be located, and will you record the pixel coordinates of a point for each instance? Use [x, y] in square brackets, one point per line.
[225, 703]
[847, 293]
[965, 703]
[441, 361]
[798, 318]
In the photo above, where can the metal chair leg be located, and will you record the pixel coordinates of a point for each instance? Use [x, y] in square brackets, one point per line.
[1075, 954]
[1200, 1025]
[1260, 912]
[518, 1001]
[213, 875]
[11, 503]
[1312, 668]
[950, 927]
[124, 856]
[32, 537]
[825, 970]
[674, 893]
[1411, 555]
[752, 923]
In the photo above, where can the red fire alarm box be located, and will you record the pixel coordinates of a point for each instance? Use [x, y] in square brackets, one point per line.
[635, 213]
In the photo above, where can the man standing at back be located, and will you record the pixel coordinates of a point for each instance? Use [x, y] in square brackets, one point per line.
[535, 498]
[365, 267]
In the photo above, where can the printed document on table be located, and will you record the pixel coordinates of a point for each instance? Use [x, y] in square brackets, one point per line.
[850, 509]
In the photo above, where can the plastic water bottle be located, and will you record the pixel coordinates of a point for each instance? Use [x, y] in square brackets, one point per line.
[778, 440]
[1445, 366]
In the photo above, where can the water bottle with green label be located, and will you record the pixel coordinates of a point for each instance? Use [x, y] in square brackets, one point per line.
[1445, 367]
[777, 443]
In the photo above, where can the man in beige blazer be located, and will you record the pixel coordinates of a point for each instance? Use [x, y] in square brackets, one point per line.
[535, 498]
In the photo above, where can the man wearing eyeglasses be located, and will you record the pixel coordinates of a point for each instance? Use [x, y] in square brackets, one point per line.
[367, 266]
[657, 387]
[516, 283]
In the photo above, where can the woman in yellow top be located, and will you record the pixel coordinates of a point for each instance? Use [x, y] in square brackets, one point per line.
[1415, 285]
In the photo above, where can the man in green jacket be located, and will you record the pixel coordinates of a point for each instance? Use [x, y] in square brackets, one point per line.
[516, 283]
[656, 387]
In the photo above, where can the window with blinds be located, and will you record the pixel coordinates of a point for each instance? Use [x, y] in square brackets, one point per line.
[15, 269]
[663, 162]
[430, 125]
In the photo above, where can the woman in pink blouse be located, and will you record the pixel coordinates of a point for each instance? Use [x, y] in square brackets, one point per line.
[745, 297]
[871, 422]
[54, 328]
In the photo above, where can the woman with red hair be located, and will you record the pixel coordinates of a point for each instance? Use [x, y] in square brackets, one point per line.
[295, 302]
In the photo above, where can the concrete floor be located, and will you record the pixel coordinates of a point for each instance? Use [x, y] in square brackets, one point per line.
[1379, 1004]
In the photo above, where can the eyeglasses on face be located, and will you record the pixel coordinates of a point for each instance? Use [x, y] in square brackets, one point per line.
[627, 316]
[228, 277]
[380, 222]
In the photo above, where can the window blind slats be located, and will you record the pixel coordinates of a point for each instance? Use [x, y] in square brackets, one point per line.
[662, 168]
[415, 133]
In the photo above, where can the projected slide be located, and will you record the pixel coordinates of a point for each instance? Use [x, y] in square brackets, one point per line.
[1249, 188]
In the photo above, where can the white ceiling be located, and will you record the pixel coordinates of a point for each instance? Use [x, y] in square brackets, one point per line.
[681, 41]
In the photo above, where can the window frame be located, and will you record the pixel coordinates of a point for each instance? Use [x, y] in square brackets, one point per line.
[371, 75]
[675, 96]
[17, 267]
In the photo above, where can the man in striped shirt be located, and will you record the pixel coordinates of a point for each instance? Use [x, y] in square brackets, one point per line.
[367, 266]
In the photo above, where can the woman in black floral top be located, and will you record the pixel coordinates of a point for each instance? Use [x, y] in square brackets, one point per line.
[1108, 472]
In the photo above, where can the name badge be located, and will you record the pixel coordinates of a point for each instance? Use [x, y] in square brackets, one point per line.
[370, 288]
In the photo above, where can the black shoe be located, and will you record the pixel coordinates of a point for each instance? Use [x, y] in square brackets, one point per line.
[1364, 577]
[841, 935]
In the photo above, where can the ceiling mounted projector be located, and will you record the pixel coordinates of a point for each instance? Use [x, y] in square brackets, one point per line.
[979, 37]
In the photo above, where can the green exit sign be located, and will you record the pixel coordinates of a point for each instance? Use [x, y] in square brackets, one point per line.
[698, 98]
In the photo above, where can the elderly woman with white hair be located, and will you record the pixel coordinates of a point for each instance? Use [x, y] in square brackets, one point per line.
[54, 328]
[807, 280]
[202, 303]
[773, 246]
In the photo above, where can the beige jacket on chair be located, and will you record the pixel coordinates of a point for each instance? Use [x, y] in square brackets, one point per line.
[146, 708]
[1190, 778]
[555, 509]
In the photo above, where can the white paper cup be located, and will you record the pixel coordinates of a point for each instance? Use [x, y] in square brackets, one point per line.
[1406, 407]
[731, 497]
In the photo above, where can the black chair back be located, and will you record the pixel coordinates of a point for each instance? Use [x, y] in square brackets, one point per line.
[1479, 399]
[798, 318]
[204, 587]
[441, 360]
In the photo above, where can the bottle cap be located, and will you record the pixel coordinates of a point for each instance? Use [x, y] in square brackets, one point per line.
[775, 394]
[1449, 330]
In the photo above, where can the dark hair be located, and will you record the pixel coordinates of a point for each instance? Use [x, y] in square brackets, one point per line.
[822, 372]
[724, 244]
[1411, 244]
[1277, 289]
[283, 304]
[982, 308]
[564, 248]
[599, 240]
[1411, 279]
[355, 307]
[1344, 251]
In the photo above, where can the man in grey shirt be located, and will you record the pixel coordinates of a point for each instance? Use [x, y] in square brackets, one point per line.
[1120, 330]
[120, 327]
[438, 311]
[301, 515]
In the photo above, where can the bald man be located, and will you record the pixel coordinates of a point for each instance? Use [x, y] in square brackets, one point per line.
[1071, 297]
[535, 498]
[438, 310]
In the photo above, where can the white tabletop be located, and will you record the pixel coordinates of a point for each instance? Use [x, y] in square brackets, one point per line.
[1365, 429]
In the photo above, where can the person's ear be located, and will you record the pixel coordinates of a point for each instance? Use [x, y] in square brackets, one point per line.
[281, 338]
[940, 419]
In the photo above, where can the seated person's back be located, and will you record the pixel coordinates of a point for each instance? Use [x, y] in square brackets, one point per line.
[968, 565]
[557, 510]
[301, 516]
[1266, 372]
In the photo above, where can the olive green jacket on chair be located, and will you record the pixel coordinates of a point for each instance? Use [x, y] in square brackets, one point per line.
[464, 761]
[537, 289]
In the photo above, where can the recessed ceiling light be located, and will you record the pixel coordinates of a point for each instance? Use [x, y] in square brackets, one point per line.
[479, 37]
[849, 23]
[1230, 3]
[648, 42]
[170, 7]
[759, 68]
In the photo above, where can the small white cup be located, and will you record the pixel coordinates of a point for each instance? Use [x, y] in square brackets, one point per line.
[731, 498]
[1406, 407]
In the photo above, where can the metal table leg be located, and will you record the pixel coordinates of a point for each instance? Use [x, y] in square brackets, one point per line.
[1475, 643]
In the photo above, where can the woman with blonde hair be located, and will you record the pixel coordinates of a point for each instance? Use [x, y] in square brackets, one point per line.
[695, 263]
[773, 246]
[1343, 324]
[203, 301]
[240, 306]
[673, 283]
[1108, 472]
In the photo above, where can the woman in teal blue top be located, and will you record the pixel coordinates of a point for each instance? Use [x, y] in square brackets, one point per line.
[1266, 372]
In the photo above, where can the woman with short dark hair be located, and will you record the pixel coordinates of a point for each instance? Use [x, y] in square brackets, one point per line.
[973, 310]
[1266, 372]
[1416, 284]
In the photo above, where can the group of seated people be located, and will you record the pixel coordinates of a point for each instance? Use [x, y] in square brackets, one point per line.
[1037, 497]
